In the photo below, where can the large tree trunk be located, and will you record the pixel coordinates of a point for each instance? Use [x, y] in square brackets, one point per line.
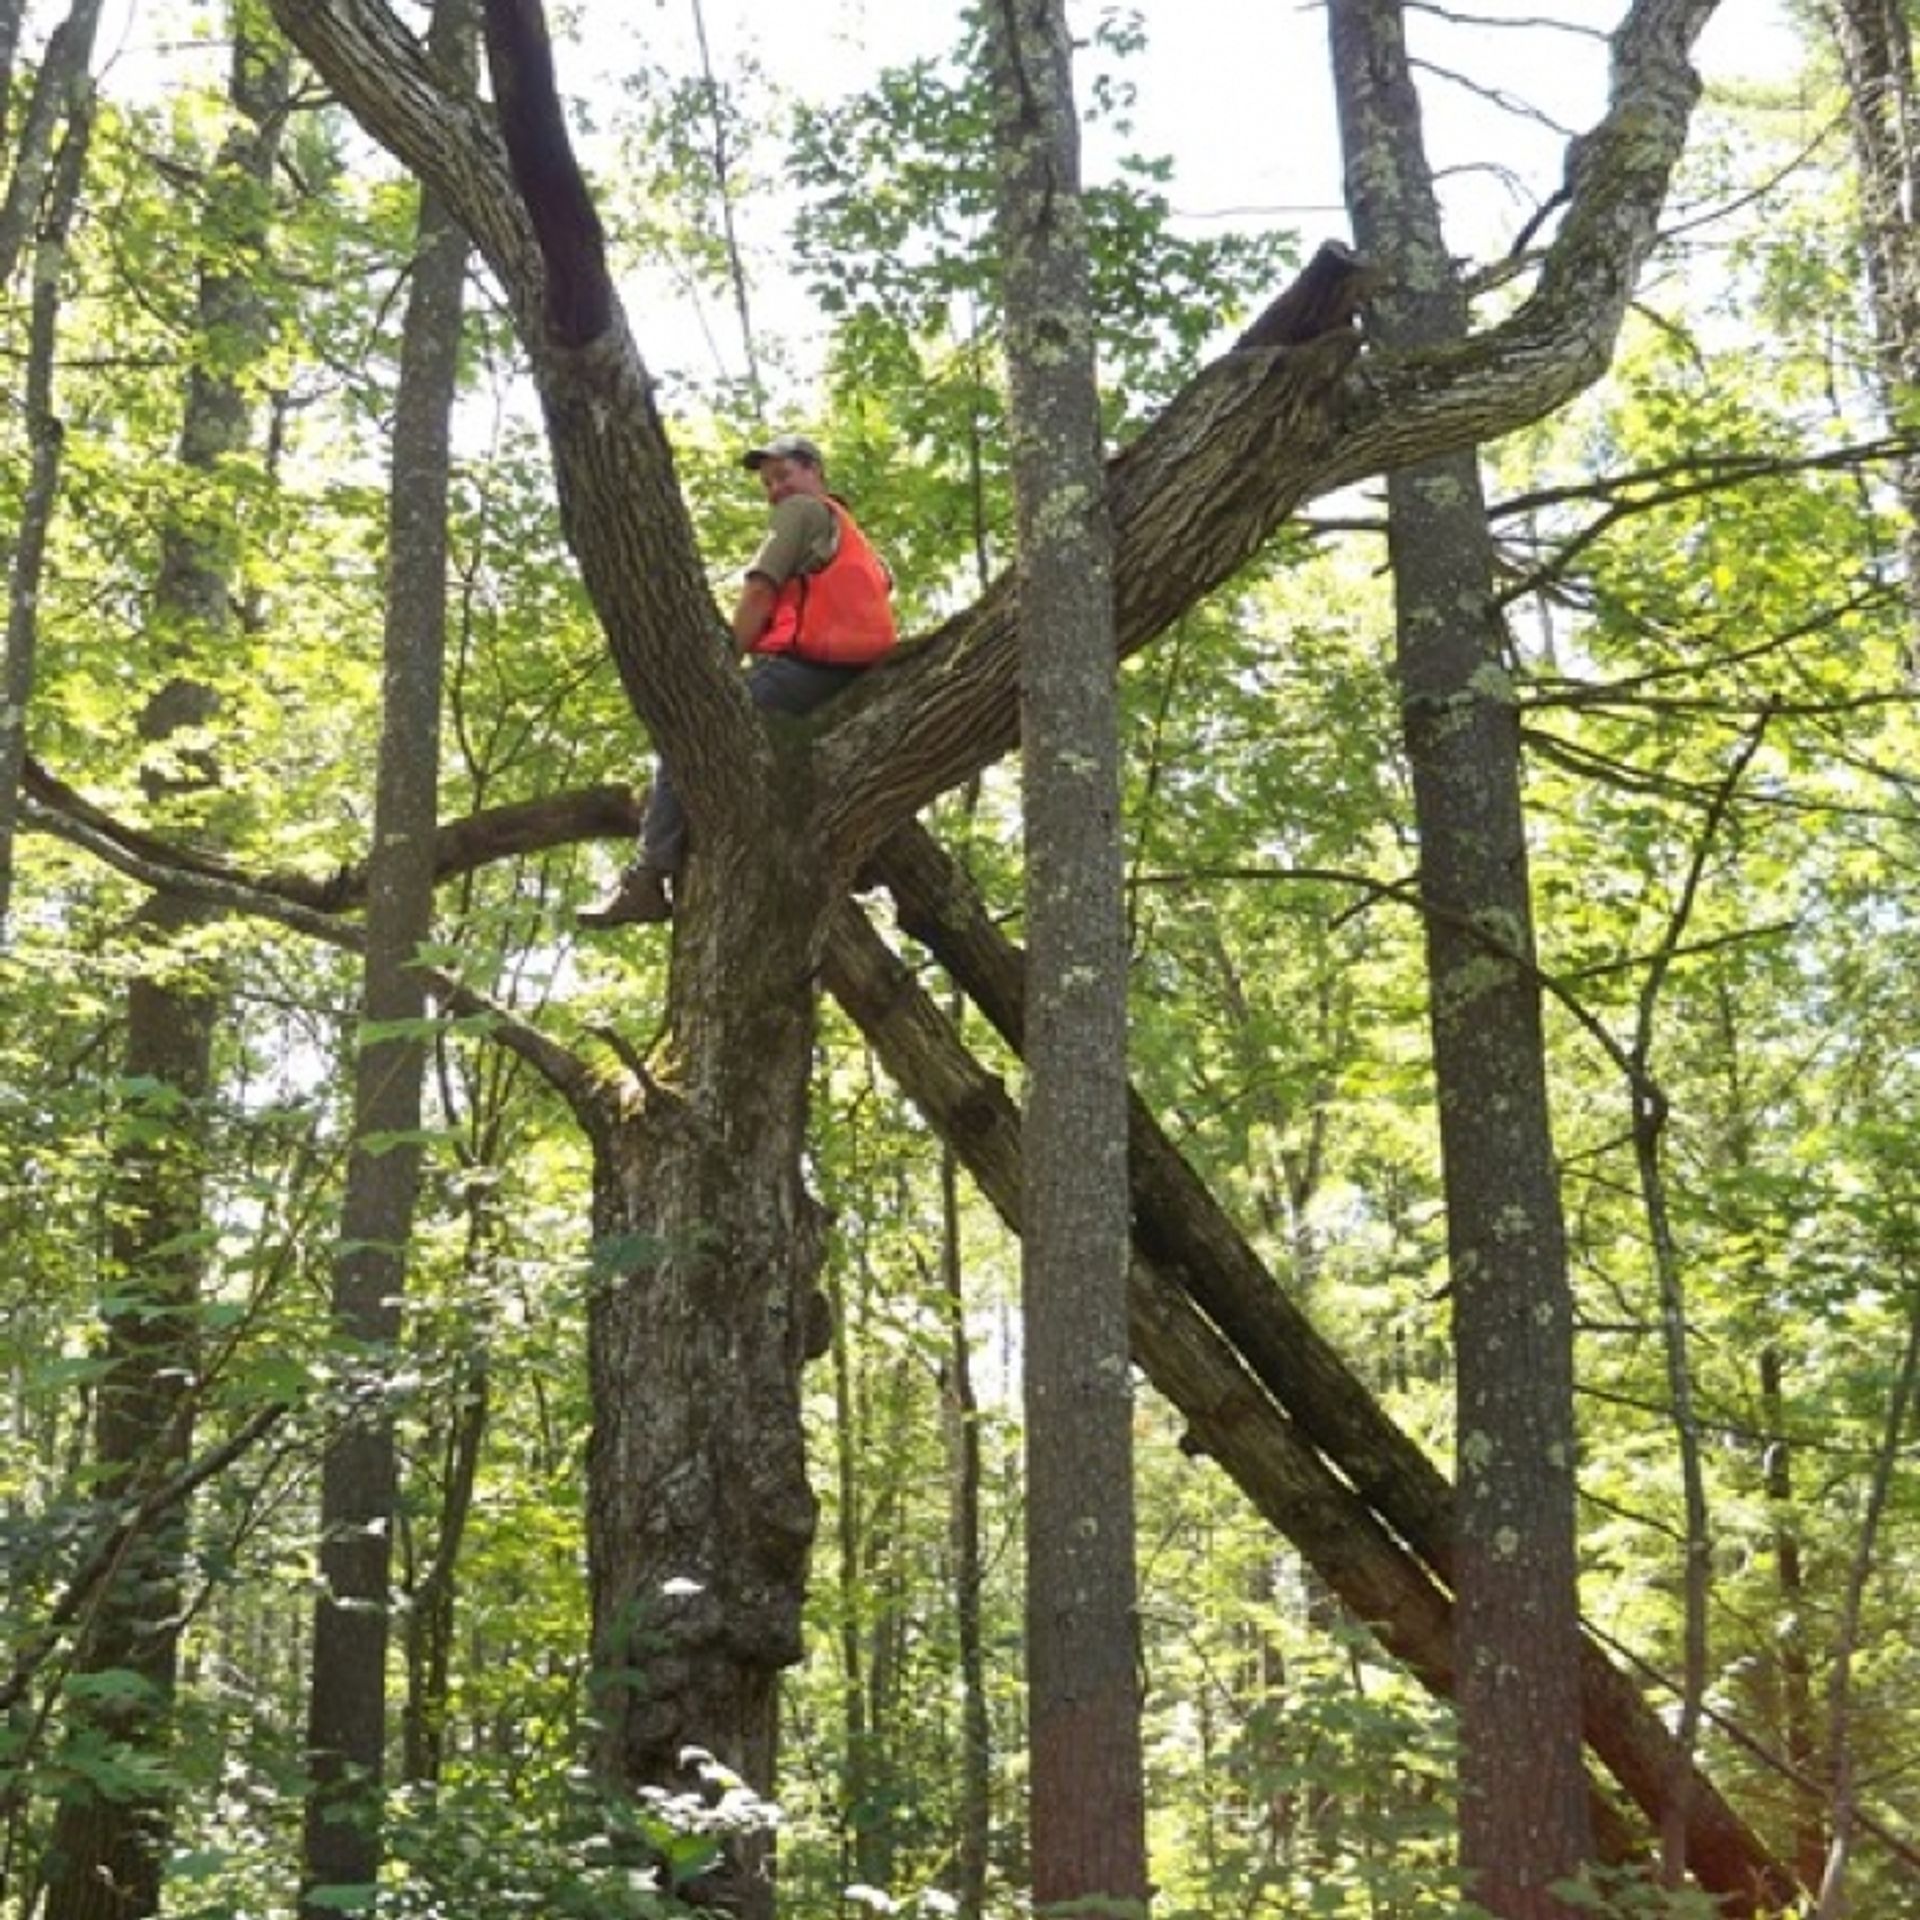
[700, 1516]
[1086, 1795]
[347, 1697]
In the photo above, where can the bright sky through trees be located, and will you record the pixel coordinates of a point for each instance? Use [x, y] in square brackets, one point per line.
[1236, 95]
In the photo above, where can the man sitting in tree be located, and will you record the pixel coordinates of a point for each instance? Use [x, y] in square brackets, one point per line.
[815, 611]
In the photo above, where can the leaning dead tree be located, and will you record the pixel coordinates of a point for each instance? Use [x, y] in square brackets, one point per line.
[1263, 1392]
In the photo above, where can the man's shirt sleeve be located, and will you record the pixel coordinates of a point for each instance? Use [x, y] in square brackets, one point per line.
[800, 539]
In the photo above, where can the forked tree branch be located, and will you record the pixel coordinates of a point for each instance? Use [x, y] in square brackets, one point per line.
[1260, 432]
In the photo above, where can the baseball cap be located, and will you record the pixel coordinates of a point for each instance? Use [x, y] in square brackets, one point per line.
[786, 446]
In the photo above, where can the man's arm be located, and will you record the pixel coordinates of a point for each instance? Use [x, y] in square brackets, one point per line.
[753, 611]
[800, 537]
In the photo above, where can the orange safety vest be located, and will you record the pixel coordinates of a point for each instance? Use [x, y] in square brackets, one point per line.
[839, 616]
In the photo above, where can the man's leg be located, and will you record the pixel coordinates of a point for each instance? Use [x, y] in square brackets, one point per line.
[638, 898]
[776, 683]
[663, 827]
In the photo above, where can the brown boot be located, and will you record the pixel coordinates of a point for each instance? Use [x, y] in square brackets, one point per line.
[638, 899]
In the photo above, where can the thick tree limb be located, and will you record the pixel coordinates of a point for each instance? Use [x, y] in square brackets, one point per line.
[579, 300]
[461, 846]
[385, 77]
[1261, 431]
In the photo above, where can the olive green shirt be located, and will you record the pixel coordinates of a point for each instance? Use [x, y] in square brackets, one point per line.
[801, 537]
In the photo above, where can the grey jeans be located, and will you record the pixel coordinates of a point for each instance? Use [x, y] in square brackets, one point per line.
[776, 683]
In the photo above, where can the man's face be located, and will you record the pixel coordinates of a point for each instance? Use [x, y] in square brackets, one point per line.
[781, 478]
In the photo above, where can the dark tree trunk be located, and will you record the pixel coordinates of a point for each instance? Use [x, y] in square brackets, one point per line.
[1523, 1798]
[347, 1699]
[1087, 1815]
[27, 561]
[106, 1854]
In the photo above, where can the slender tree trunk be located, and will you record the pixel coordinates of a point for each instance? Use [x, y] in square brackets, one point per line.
[1523, 1799]
[11, 14]
[1087, 1799]
[44, 432]
[430, 1611]
[106, 1854]
[1791, 1661]
[1835, 1900]
[1649, 1121]
[962, 1422]
[347, 1704]
[725, 193]
[876, 1835]
[852, 1439]
[59, 88]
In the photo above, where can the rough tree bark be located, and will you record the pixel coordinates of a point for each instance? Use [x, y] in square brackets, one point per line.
[1087, 1846]
[1523, 1824]
[104, 1858]
[347, 1695]
[700, 1520]
[11, 12]
[1874, 39]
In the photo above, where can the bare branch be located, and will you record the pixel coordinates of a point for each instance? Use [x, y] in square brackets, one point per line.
[593, 1095]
